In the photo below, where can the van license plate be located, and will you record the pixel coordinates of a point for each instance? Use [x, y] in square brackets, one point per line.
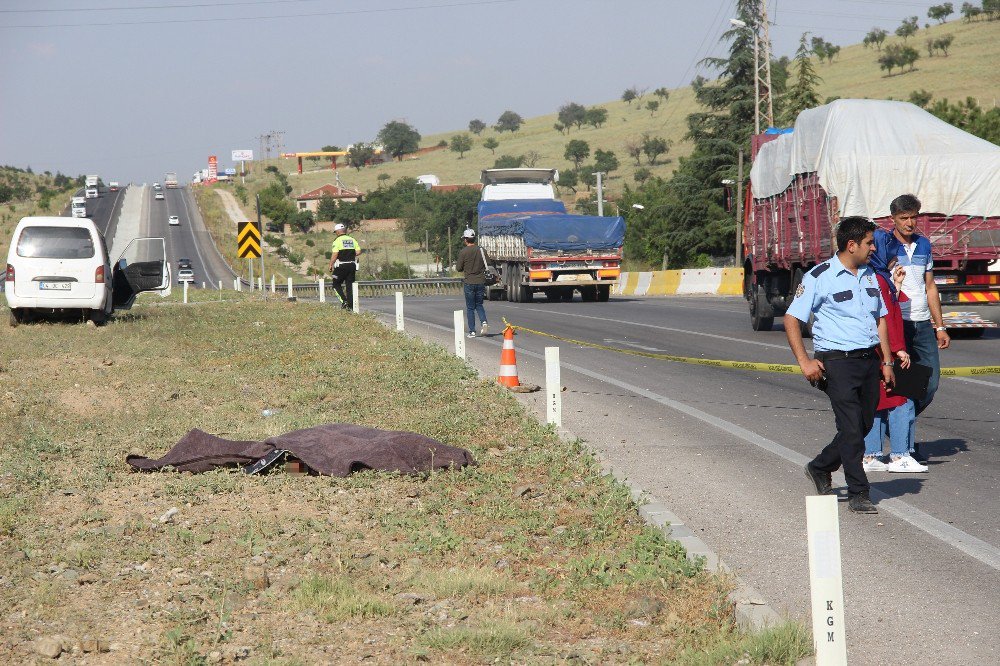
[64, 286]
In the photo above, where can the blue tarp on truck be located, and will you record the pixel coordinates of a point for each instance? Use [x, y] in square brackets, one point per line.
[545, 225]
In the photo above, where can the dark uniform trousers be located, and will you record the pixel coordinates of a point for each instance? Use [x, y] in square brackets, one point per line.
[853, 389]
[343, 282]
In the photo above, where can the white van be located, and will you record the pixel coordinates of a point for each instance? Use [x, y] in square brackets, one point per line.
[62, 263]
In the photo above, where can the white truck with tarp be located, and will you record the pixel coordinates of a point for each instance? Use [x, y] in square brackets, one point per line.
[92, 187]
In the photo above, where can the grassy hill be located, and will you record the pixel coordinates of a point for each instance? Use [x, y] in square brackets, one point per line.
[24, 193]
[969, 71]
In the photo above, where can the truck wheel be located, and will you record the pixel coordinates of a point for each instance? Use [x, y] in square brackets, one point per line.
[588, 294]
[603, 293]
[511, 278]
[552, 295]
[757, 322]
[567, 295]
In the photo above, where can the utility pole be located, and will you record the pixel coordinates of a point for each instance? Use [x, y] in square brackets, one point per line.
[600, 194]
[762, 70]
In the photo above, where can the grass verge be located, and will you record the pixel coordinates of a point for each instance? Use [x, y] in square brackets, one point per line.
[532, 555]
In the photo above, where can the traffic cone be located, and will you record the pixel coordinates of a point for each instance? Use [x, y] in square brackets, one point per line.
[508, 360]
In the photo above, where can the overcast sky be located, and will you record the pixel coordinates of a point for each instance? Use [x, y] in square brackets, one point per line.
[130, 90]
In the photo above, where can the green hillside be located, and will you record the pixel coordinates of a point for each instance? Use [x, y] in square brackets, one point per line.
[24, 193]
[969, 71]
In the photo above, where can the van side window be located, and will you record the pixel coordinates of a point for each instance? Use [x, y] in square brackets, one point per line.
[55, 243]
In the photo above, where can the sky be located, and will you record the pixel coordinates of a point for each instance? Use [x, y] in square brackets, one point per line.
[131, 90]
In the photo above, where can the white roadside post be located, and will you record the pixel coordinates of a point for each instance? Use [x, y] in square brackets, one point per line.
[825, 580]
[185, 292]
[290, 295]
[356, 296]
[260, 284]
[553, 387]
[459, 334]
[272, 284]
[399, 311]
[236, 284]
[322, 290]
[202, 285]
[220, 290]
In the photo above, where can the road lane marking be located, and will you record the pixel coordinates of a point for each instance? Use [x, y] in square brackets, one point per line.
[194, 235]
[949, 534]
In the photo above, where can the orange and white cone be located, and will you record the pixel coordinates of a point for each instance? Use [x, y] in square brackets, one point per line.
[508, 360]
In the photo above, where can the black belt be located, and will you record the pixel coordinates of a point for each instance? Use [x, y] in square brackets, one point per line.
[867, 352]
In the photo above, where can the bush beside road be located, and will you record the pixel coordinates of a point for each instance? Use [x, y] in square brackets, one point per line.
[533, 555]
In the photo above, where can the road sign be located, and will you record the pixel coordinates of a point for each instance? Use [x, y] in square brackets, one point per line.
[248, 240]
[242, 155]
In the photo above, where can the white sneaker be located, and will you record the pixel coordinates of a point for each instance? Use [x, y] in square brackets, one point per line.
[874, 465]
[472, 334]
[905, 465]
[486, 327]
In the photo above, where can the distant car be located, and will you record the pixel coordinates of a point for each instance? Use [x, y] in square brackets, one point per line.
[185, 275]
[159, 196]
[174, 221]
[183, 263]
[156, 186]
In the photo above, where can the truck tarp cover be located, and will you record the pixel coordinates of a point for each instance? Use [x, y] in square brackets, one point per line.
[868, 152]
[545, 226]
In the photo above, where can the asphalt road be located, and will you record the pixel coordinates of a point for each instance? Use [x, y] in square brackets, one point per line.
[189, 240]
[725, 450]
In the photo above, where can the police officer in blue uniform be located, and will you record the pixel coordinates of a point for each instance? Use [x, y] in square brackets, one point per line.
[843, 297]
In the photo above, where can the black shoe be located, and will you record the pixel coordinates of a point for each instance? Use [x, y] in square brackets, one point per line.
[861, 503]
[822, 480]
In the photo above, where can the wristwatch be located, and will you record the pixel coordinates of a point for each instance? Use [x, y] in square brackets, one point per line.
[888, 364]
[938, 329]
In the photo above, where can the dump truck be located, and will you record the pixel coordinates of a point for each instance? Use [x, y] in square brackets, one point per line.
[538, 247]
[853, 157]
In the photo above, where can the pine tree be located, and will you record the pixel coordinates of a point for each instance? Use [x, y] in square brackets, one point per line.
[802, 95]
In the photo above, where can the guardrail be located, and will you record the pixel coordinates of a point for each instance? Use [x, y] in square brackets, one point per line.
[373, 288]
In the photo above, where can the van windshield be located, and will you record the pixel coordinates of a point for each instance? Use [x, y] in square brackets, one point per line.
[55, 243]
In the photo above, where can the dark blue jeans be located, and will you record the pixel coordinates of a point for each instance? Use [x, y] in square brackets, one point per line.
[921, 343]
[474, 294]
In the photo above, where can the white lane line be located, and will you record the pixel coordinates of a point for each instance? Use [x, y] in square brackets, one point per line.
[963, 541]
[974, 381]
[194, 233]
[700, 334]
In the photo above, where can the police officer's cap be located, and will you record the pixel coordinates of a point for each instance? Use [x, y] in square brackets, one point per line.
[468, 233]
[339, 227]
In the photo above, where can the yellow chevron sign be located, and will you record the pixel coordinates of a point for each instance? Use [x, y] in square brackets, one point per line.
[248, 240]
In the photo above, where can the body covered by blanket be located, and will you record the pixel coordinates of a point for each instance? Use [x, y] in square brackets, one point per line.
[334, 449]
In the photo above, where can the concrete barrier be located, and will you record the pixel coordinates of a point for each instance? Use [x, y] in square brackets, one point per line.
[720, 281]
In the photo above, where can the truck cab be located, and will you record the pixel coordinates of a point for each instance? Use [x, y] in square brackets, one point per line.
[500, 184]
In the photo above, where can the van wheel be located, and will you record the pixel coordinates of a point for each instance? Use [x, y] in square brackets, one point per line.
[99, 317]
[15, 318]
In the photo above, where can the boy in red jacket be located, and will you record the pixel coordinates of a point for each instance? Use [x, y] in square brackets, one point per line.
[895, 414]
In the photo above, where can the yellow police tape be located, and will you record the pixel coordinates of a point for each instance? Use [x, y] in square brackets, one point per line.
[967, 371]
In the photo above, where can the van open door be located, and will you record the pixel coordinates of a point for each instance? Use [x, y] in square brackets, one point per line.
[141, 267]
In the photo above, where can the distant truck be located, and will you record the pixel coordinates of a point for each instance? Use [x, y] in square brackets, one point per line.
[78, 207]
[92, 190]
[852, 157]
[113, 186]
[538, 247]
[170, 180]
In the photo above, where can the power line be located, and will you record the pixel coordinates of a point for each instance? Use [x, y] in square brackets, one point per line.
[134, 8]
[347, 12]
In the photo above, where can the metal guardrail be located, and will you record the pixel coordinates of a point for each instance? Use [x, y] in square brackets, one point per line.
[374, 288]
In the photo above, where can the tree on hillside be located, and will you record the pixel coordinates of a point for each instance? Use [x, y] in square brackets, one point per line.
[629, 95]
[970, 12]
[568, 178]
[461, 144]
[490, 143]
[944, 43]
[476, 126]
[654, 146]
[907, 28]
[383, 178]
[399, 138]
[559, 127]
[605, 161]
[940, 13]
[509, 162]
[875, 37]
[360, 154]
[824, 50]
[652, 105]
[531, 158]
[970, 117]
[697, 83]
[572, 114]
[801, 95]
[596, 116]
[908, 56]
[577, 151]
[508, 122]
[633, 148]
[663, 94]
[327, 207]
[992, 9]
[921, 98]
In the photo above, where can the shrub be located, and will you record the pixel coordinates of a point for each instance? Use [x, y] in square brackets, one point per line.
[310, 242]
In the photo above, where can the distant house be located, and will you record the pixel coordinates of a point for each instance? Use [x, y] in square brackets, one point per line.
[455, 188]
[310, 200]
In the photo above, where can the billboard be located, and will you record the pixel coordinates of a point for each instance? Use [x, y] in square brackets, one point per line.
[242, 155]
[213, 166]
[230, 172]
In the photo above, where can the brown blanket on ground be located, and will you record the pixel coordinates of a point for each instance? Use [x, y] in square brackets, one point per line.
[335, 449]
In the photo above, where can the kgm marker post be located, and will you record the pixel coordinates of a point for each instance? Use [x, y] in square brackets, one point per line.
[356, 296]
[825, 580]
[399, 311]
[553, 387]
[460, 334]
[322, 290]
